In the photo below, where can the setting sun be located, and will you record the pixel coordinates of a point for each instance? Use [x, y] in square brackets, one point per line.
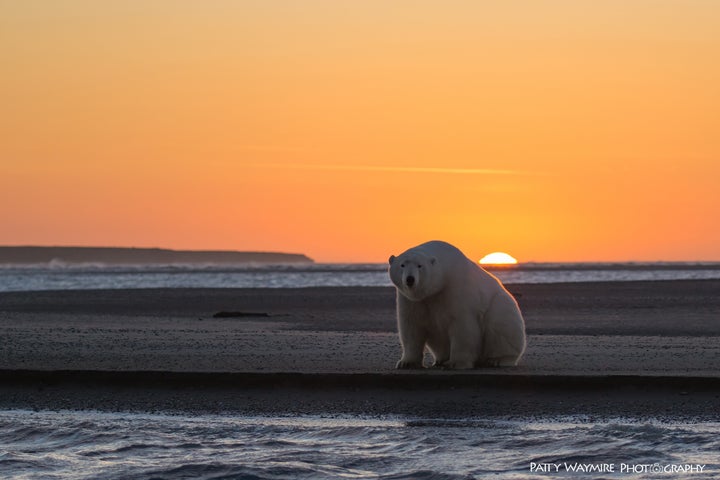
[498, 258]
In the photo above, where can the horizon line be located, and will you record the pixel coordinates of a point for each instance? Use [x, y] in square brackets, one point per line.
[221, 250]
[379, 168]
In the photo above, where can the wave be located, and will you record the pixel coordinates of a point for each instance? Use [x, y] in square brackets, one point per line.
[199, 267]
[347, 267]
[90, 445]
[101, 276]
[582, 266]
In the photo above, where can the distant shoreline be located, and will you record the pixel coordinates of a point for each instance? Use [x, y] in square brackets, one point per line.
[126, 256]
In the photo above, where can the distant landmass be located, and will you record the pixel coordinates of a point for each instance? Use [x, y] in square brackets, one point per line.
[128, 256]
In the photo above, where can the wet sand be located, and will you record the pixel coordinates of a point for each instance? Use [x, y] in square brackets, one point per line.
[650, 348]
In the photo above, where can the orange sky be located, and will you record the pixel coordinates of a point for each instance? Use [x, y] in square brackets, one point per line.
[552, 130]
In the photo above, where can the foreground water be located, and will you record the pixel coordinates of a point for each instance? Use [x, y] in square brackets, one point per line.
[58, 276]
[93, 445]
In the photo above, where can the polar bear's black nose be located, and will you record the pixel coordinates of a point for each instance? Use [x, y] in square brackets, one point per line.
[410, 280]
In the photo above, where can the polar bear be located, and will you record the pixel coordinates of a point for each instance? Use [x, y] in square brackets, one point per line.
[461, 312]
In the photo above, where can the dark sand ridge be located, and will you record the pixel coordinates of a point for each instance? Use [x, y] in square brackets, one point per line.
[600, 348]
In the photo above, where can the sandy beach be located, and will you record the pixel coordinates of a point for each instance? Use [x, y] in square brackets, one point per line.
[593, 348]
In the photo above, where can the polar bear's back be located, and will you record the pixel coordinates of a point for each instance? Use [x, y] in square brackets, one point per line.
[447, 254]
[462, 269]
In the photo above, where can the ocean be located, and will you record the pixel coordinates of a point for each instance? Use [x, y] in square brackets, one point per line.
[130, 445]
[107, 446]
[58, 276]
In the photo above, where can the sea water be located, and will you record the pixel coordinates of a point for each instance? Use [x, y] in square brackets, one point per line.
[58, 276]
[94, 445]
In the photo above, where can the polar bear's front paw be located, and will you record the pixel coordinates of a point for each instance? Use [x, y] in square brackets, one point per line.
[458, 365]
[440, 364]
[500, 362]
[407, 365]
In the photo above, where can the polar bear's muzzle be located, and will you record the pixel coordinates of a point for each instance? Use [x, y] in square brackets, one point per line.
[410, 281]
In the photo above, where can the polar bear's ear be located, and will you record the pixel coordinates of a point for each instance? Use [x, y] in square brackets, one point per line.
[391, 259]
[432, 260]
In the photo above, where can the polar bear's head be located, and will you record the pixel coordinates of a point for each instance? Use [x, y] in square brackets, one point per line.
[416, 275]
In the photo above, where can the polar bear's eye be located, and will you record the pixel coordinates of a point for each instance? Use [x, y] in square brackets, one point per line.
[402, 265]
[419, 266]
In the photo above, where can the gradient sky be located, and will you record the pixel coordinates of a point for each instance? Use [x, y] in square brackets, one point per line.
[349, 130]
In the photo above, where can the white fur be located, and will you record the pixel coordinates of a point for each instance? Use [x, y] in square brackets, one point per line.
[462, 313]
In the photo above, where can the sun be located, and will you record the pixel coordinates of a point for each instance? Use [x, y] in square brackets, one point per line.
[498, 258]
